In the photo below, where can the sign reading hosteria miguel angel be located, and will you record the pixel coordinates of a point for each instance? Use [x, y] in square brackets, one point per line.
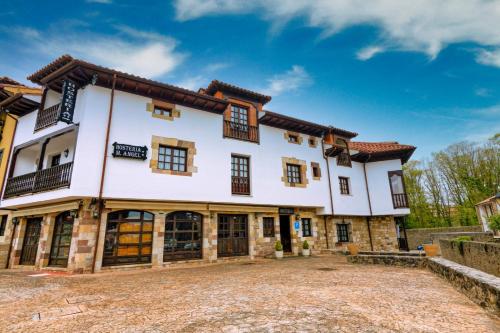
[129, 151]
[68, 102]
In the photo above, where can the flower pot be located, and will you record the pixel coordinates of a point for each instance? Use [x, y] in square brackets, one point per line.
[353, 249]
[431, 250]
[306, 252]
[279, 254]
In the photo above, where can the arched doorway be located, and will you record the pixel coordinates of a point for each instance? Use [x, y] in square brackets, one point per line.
[183, 236]
[61, 240]
[129, 238]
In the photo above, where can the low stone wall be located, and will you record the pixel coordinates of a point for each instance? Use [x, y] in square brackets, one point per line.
[391, 260]
[480, 287]
[482, 256]
[423, 235]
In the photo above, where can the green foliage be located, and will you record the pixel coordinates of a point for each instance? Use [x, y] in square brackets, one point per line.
[494, 222]
[305, 245]
[278, 246]
[442, 192]
[459, 241]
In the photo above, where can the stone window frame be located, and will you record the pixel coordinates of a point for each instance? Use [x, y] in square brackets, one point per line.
[174, 112]
[315, 165]
[312, 141]
[190, 146]
[288, 134]
[303, 171]
[303, 222]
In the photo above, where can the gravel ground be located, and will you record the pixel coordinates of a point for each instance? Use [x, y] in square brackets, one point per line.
[321, 294]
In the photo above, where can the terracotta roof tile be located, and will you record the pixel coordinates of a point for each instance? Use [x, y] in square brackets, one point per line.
[219, 85]
[378, 147]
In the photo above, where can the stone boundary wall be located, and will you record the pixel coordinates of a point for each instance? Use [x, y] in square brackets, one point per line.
[480, 287]
[391, 260]
[423, 235]
[482, 256]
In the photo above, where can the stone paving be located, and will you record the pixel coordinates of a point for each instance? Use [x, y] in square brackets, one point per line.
[321, 294]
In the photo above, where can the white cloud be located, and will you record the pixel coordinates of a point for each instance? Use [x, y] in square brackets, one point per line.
[291, 80]
[482, 92]
[142, 53]
[489, 57]
[193, 82]
[368, 52]
[425, 26]
[106, 2]
[216, 66]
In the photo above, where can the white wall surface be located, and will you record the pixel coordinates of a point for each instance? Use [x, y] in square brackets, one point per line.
[380, 190]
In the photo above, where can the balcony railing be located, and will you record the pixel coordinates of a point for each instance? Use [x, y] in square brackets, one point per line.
[400, 200]
[240, 185]
[241, 131]
[39, 181]
[47, 117]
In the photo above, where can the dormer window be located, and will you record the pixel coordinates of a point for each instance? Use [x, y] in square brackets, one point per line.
[343, 158]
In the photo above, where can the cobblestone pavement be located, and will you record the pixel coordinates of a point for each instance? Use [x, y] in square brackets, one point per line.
[321, 294]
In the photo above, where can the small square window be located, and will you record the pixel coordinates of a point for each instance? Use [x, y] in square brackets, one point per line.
[293, 138]
[172, 158]
[306, 228]
[268, 226]
[162, 111]
[316, 172]
[312, 142]
[344, 185]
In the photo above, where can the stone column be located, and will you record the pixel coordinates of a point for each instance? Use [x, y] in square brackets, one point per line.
[100, 241]
[206, 231]
[296, 236]
[252, 234]
[5, 243]
[17, 245]
[212, 241]
[45, 242]
[158, 239]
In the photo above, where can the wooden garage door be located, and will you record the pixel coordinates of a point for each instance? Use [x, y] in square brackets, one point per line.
[232, 235]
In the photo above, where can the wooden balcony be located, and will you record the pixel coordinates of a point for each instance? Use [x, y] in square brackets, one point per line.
[39, 181]
[241, 131]
[47, 117]
[240, 185]
[400, 200]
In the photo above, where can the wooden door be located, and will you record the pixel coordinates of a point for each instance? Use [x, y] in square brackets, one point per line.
[61, 240]
[285, 235]
[30, 243]
[232, 235]
[183, 236]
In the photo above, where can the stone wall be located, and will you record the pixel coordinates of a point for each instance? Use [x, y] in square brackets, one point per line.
[482, 288]
[423, 235]
[482, 256]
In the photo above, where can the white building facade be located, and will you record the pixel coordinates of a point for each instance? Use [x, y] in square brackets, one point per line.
[114, 170]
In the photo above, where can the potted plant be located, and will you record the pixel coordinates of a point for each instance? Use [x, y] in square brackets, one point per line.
[278, 249]
[431, 250]
[306, 252]
[353, 249]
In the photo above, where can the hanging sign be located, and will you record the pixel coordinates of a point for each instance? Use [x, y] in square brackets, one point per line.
[129, 151]
[68, 102]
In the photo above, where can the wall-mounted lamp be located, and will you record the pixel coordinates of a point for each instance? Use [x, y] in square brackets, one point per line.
[66, 152]
[297, 217]
[15, 220]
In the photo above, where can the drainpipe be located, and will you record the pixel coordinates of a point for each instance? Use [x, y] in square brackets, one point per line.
[369, 205]
[329, 184]
[106, 144]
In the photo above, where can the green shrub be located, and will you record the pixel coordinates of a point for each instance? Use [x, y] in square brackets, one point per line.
[459, 241]
[305, 245]
[494, 222]
[278, 246]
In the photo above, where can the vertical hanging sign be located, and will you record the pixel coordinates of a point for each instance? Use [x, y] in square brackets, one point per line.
[68, 102]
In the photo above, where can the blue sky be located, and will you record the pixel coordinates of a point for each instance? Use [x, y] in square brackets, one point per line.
[421, 72]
